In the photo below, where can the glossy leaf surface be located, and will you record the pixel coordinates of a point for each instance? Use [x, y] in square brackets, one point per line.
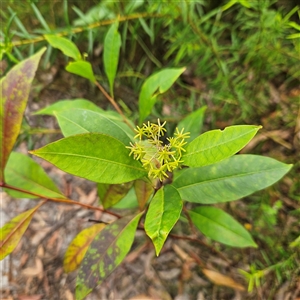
[76, 121]
[78, 247]
[216, 145]
[154, 85]
[94, 156]
[229, 180]
[82, 68]
[112, 44]
[221, 227]
[11, 232]
[163, 213]
[111, 194]
[65, 45]
[23, 172]
[193, 123]
[68, 104]
[143, 190]
[15, 88]
[105, 253]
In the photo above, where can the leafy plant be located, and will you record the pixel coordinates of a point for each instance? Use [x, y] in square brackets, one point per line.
[104, 147]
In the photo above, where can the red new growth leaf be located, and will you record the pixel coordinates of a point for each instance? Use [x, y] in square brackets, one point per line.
[14, 92]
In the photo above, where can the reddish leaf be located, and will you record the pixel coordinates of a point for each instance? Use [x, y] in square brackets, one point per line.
[143, 190]
[105, 253]
[111, 194]
[11, 232]
[79, 246]
[15, 88]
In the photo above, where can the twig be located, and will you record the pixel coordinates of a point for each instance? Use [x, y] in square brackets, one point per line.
[60, 200]
[113, 102]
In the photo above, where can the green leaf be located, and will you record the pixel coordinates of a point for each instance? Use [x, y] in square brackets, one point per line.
[143, 190]
[78, 247]
[154, 85]
[128, 202]
[14, 92]
[106, 252]
[229, 180]
[111, 51]
[66, 46]
[11, 232]
[193, 123]
[24, 173]
[163, 213]
[75, 121]
[81, 68]
[111, 194]
[62, 105]
[216, 145]
[94, 156]
[220, 226]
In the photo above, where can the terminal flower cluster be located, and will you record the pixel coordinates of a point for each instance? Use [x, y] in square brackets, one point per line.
[158, 158]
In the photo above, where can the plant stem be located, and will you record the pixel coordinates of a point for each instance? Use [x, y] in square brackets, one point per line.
[113, 102]
[90, 26]
[62, 200]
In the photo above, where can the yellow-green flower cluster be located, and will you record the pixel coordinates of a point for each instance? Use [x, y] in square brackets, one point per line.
[158, 158]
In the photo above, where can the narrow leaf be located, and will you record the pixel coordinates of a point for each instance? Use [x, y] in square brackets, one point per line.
[193, 123]
[154, 85]
[229, 180]
[94, 156]
[221, 227]
[112, 44]
[23, 172]
[14, 92]
[62, 105]
[105, 253]
[163, 213]
[216, 145]
[143, 190]
[66, 46]
[11, 232]
[78, 247]
[111, 194]
[81, 68]
[75, 121]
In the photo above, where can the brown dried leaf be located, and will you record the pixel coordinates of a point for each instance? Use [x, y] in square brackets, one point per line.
[220, 279]
[31, 297]
[37, 270]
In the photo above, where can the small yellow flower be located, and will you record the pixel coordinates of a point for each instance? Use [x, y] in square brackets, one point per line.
[157, 158]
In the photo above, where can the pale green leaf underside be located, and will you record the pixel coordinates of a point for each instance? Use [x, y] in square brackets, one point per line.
[216, 145]
[94, 156]
[68, 104]
[76, 121]
[229, 180]
[163, 213]
[220, 226]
